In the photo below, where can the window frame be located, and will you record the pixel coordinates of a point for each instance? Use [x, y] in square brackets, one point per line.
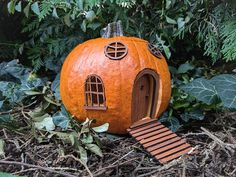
[154, 50]
[89, 102]
[123, 49]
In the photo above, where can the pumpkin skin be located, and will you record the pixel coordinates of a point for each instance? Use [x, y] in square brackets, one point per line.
[118, 77]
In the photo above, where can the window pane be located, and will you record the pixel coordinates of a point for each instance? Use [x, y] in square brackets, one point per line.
[101, 100]
[94, 99]
[93, 88]
[93, 79]
[100, 88]
[98, 80]
[89, 100]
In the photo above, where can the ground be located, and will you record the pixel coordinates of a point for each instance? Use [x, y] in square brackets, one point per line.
[214, 141]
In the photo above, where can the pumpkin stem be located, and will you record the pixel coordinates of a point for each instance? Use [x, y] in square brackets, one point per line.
[113, 29]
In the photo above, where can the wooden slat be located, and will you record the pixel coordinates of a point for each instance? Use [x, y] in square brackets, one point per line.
[162, 139]
[168, 147]
[158, 140]
[148, 130]
[156, 137]
[172, 151]
[142, 122]
[143, 128]
[165, 143]
[174, 156]
[155, 133]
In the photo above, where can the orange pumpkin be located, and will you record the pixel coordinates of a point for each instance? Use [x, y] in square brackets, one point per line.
[118, 80]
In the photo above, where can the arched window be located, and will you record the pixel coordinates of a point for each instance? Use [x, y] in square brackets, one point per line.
[94, 93]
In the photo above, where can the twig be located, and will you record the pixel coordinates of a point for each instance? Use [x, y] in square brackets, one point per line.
[36, 166]
[23, 171]
[112, 166]
[140, 163]
[218, 141]
[85, 166]
[122, 157]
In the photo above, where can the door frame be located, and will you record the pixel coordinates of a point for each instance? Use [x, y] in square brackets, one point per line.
[154, 100]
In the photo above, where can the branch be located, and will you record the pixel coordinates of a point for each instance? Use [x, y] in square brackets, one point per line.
[36, 166]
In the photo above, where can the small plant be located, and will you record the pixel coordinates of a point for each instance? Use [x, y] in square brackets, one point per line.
[21, 89]
[193, 95]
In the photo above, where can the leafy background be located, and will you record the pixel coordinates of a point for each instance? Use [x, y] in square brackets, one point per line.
[197, 38]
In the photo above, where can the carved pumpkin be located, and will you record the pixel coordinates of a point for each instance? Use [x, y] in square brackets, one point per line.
[118, 80]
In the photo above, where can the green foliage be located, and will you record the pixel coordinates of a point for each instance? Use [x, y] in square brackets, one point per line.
[180, 28]
[229, 44]
[2, 145]
[193, 95]
[221, 87]
[21, 87]
[202, 90]
[55, 27]
[2, 174]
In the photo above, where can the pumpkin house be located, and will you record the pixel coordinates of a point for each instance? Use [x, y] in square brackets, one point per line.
[115, 79]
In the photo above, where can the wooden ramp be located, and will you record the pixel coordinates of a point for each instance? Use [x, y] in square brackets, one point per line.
[159, 140]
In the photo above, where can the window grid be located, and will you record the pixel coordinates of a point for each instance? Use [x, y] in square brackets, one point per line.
[116, 50]
[154, 50]
[94, 93]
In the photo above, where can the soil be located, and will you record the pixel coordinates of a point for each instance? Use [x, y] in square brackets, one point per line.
[214, 141]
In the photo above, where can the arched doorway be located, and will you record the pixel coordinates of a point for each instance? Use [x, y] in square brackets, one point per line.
[145, 95]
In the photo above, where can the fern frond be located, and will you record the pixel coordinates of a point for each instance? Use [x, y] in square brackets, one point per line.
[228, 37]
[45, 9]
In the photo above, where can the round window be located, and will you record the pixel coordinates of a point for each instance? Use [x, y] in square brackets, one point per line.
[116, 50]
[154, 50]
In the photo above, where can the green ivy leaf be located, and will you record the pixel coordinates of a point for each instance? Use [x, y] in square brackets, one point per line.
[46, 123]
[170, 20]
[225, 84]
[80, 4]
[83, 154]
[196, 115]
[55, 87]
[26, 10]
[61, 120]
[83, 25]
[184, 68]
[202, 90]
[18, 7]
[167, 51]
[94, 26]
[90, 15]
[174, 124]
[35, 8]
[168, 4]
[180, 104]
[5, 118]
[180, 22]
[95, 149]
[54, 13]
[87, 139]
[67, 19]
[101, 128]
[11, 6]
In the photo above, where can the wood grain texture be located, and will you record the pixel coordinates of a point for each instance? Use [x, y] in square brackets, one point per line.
[159, 141]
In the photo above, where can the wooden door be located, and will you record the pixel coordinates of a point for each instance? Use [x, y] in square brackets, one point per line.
[142, 93]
